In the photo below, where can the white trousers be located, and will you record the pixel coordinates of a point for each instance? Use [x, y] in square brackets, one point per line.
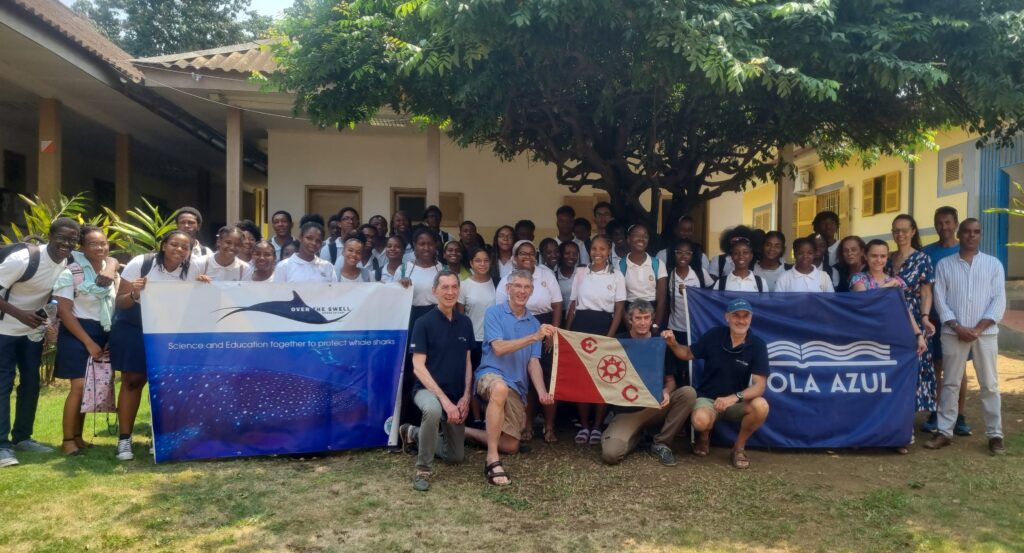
[954, 363]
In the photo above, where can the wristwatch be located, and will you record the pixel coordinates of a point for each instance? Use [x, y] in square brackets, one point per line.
[952, 324]
[739, 396]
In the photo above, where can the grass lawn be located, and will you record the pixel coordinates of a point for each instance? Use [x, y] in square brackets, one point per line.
[562, 499]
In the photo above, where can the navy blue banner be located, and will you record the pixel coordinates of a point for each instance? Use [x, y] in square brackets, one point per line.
[843, 366]
[246, 369]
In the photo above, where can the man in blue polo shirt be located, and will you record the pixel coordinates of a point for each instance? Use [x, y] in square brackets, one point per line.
[511, 351]
[946, 222]
[440, 345]
[732, 384]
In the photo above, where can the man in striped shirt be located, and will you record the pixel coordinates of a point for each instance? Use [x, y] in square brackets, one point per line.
[970, 297]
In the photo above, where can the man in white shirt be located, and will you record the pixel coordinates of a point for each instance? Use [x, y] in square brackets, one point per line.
[970, 298]
[189, 220]
[27, 276]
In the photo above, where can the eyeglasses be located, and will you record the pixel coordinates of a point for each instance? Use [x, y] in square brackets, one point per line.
[684, 252]
[902, 230]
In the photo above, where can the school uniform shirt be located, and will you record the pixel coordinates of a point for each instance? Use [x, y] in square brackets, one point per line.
[545, 291]
[641, 282]
[564, 285]
[597, 290]
[795, 281]
[236, 271]
[386, 277]
[832, 254]
[295, 269]
[362, 277]
[277, 248]
[584, 254]
[32, 294]
[422, 283]
[741, 284]
[200, 250]
[85, 306]
[476, 297]
[505, 268]
[133, 270]
[713, 265]
[678, 318]
[409, 256]
[770, 277]
[325, 252]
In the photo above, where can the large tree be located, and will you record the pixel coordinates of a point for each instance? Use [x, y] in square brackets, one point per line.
[691, 97]
[146, 28]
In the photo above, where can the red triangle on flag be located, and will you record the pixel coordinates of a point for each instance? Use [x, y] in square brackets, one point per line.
[573, 380]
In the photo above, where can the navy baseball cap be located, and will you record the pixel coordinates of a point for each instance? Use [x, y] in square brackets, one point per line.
[739, 304]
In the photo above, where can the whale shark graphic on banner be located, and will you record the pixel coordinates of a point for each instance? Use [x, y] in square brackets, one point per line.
[597, 369]
[863, 353]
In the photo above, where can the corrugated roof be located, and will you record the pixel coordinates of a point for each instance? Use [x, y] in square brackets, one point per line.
[81, 31]
[238, 58]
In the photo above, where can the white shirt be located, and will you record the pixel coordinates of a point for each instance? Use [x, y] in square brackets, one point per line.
[30, 295]
[713, 265]
[476, 297]
[387, 277]
[679, 318]
[597, 291]
[584, 254]
[737, 284]
[545, 291]
[200, 250]
[564, 285]
[969, 292]
[208, 265]
[795, 281]
[832, 253]
[86, 306]
[641, 282]
[325, 252]
[770, 277]
[277, 248]
[505, 268]
[294, 269]
[158, 273]
[422, 283]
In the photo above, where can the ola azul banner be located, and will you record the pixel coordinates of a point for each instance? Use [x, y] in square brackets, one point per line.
[243, 368]
[843, 365]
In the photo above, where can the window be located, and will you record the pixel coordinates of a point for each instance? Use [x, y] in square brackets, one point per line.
[805, 209]
[952, 172]
[762, 218]
[414, 202]
[881, 194]
[328, 200]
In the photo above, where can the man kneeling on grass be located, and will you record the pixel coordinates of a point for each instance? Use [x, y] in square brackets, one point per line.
[511, 350]
[440, 345]
[732, 383]
[623, 434]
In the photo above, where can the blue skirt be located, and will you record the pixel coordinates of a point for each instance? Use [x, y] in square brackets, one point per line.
[127, 347]
[72, 357]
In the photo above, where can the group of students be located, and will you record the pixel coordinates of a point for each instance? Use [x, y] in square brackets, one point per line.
[581, 282]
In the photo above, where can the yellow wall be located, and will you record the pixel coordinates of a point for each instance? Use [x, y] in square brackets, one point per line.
[759, 195]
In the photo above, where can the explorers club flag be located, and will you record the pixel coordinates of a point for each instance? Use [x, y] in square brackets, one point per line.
[597, 369]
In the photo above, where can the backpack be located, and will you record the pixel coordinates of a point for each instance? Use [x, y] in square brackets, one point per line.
[655, 264]
[757, 280]
[147, 263]
[332, 251]
[30, 269]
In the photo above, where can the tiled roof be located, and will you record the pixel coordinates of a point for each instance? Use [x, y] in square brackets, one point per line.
[238, 58]
[81, 31]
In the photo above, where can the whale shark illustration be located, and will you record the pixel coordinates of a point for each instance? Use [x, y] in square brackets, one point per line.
[294, 309]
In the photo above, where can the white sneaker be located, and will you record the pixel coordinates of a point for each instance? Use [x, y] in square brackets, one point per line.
[7, 458]
[124, 450]
[33, 446]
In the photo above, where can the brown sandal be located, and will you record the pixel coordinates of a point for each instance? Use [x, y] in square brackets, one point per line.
[739, 459]
[549, 436]
[496, 470]
[703, 445]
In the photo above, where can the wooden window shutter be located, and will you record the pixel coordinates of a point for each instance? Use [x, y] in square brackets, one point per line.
[891, 199]
[844, 211]
[868, 198]
[806, 209]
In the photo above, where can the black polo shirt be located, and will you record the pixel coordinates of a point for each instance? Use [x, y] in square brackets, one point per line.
[445, 342]
[727, 370]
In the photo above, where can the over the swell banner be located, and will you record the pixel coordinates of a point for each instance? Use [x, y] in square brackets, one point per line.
[843, 365]
[244, 369]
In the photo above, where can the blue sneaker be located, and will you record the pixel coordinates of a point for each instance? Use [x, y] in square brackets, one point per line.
[931, 425]
[962, 428]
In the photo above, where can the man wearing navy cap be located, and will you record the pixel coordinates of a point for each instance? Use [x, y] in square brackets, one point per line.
[732, 383]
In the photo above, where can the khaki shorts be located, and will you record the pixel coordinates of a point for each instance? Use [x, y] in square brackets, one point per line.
[733, 414]
[515, 411]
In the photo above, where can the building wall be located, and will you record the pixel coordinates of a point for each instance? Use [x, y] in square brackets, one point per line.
[376, 160]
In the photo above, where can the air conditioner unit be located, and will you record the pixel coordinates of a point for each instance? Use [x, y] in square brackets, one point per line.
[802, 182]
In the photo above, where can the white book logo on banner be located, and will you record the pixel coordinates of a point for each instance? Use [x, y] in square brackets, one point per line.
[824, 354]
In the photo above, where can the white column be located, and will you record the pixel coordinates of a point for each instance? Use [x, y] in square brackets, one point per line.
[433, 173]
[233, 171]
[51, 147]
[122, 172]
[784, 195]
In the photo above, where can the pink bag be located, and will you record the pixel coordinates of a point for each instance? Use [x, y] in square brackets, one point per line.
[98, 396]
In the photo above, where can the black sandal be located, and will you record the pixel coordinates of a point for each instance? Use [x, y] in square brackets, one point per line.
[88, 445]
[491, 472]
[76, 452]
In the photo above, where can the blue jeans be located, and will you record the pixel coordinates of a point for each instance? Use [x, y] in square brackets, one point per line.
[25, 355]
